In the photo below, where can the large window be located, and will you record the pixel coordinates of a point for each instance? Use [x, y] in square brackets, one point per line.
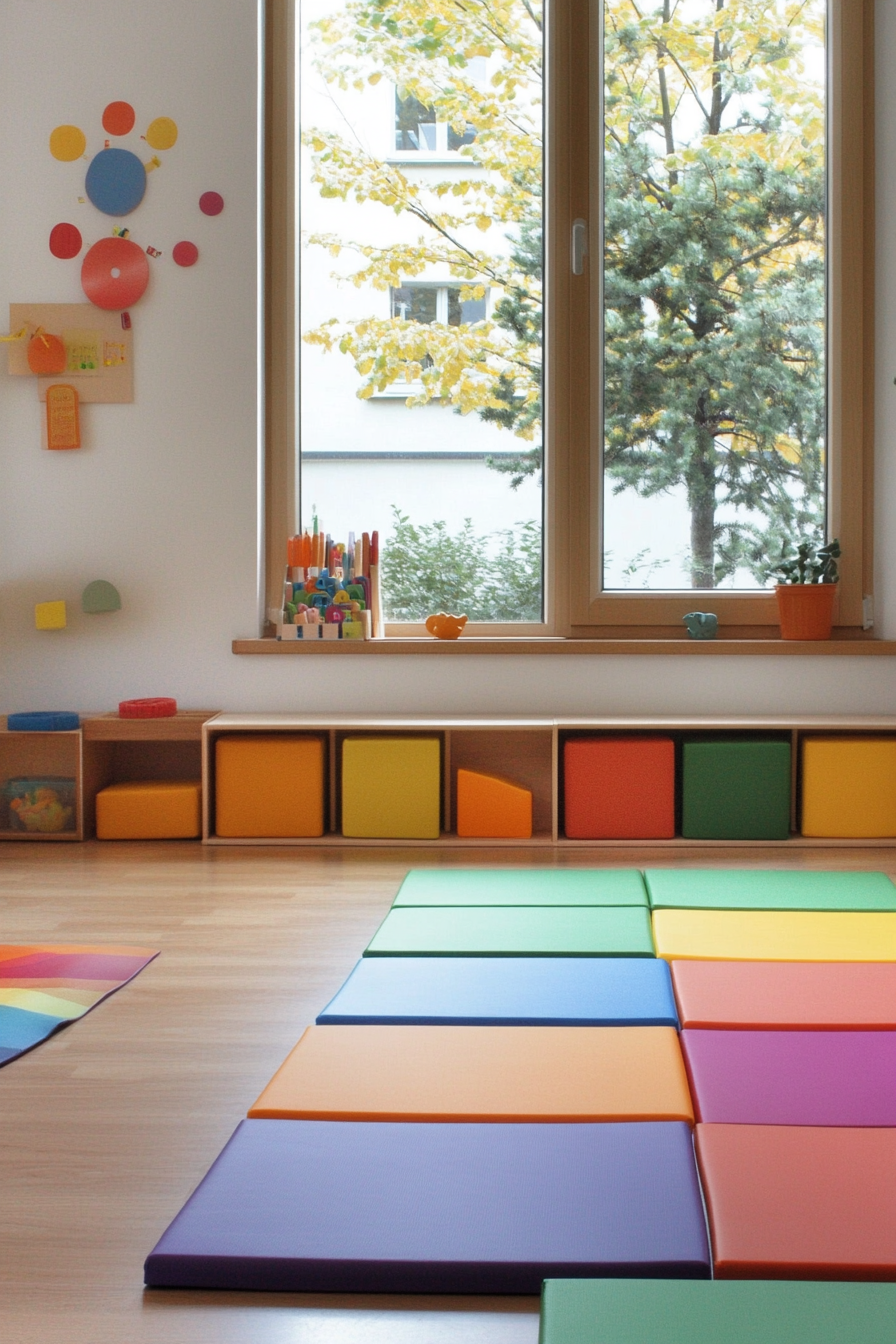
[729, 307]
[420, 279]
[714, 268]
[600, 451]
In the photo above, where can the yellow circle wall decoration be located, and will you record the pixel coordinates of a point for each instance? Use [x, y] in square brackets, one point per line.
[67, 143]
[161, 133]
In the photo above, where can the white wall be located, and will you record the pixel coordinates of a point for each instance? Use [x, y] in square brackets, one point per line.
[161, 501]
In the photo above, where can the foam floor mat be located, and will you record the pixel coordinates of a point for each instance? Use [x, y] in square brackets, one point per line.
[509, 991]
[583, 931]
[545, 1074]
[522, 886]
[786, 995]
[318, 1206]
[845, 1078]
[763, 889]
[621, 1311]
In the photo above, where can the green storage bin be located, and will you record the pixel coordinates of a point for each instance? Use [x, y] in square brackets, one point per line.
[736, 789]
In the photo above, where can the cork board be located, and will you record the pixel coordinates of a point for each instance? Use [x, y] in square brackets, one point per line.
[99, 350]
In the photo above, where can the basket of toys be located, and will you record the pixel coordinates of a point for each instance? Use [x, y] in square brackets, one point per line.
[40, 805]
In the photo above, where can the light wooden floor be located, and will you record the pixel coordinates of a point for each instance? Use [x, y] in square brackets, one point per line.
[106, 1128]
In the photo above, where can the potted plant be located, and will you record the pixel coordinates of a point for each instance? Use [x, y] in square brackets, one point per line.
[807, 583]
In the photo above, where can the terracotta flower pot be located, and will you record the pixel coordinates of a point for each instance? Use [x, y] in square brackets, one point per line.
[805, 610]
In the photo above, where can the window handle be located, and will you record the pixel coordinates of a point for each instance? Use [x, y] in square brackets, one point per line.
[579, 246]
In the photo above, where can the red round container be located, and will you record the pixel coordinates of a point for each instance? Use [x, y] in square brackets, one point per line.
[161, 707]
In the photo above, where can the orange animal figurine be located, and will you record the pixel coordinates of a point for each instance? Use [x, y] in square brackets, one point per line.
[444, 626]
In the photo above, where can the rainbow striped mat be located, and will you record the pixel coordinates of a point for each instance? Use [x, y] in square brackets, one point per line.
[44, 988]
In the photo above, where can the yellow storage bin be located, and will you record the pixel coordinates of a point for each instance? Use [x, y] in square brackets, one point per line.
[849, 787]
[269, 786]
[391, 788]
[150, 809]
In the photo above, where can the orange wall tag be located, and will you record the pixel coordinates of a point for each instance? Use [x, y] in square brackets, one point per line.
[63, 426]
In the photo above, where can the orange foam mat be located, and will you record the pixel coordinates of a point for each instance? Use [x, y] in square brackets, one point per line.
[795, 1202]
[480, 1074]
[795, 995]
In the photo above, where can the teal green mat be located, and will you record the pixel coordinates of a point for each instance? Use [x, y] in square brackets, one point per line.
[522, 886]
[750, 889]
[682, 1311]
[519, 931]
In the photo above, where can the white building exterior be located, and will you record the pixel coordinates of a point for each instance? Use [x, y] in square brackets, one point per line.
[361, 457]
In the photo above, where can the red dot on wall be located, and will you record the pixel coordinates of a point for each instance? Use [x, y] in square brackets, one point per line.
[211, 203]
[114, 273]
[118, 119]
[65, 241]
[185, 254]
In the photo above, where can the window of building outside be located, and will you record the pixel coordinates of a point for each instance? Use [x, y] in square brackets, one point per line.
[430, 304]
[710, 434]
[417, 129]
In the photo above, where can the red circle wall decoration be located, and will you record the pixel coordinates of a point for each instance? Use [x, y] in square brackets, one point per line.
[185, 254]
[118, 118]
[65, 241]
[114, 273]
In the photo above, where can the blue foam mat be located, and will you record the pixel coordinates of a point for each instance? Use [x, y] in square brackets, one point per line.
[506, 991]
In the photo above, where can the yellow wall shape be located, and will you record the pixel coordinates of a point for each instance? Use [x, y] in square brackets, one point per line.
[49, 616]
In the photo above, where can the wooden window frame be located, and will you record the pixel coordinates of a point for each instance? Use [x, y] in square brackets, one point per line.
[575, 608]
[593, 612]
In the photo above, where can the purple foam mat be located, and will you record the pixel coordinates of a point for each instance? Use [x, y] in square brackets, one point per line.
[845, 1078]
[330, 1206]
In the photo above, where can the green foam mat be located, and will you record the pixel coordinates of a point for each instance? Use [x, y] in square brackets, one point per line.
[751, 889]
[681, 1311]
[522, 886]
[518, 931]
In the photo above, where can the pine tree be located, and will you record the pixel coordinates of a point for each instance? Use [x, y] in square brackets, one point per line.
[714, 272]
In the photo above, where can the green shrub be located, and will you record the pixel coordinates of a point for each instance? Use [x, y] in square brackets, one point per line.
[494, 576]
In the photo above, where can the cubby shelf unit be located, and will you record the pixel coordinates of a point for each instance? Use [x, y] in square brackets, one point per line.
[118, 750]
[528, 751]
[36, 755]
[105, 749]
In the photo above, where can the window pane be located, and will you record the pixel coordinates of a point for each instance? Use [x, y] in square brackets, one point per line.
[414, 303]
[421, 295]
[464, 136]
[714, 289]
[414, 123]
[473, 310]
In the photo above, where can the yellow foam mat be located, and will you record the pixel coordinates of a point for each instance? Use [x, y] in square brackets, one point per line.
[774, 935]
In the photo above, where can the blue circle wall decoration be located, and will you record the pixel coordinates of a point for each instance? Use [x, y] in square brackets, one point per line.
[115, 181]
